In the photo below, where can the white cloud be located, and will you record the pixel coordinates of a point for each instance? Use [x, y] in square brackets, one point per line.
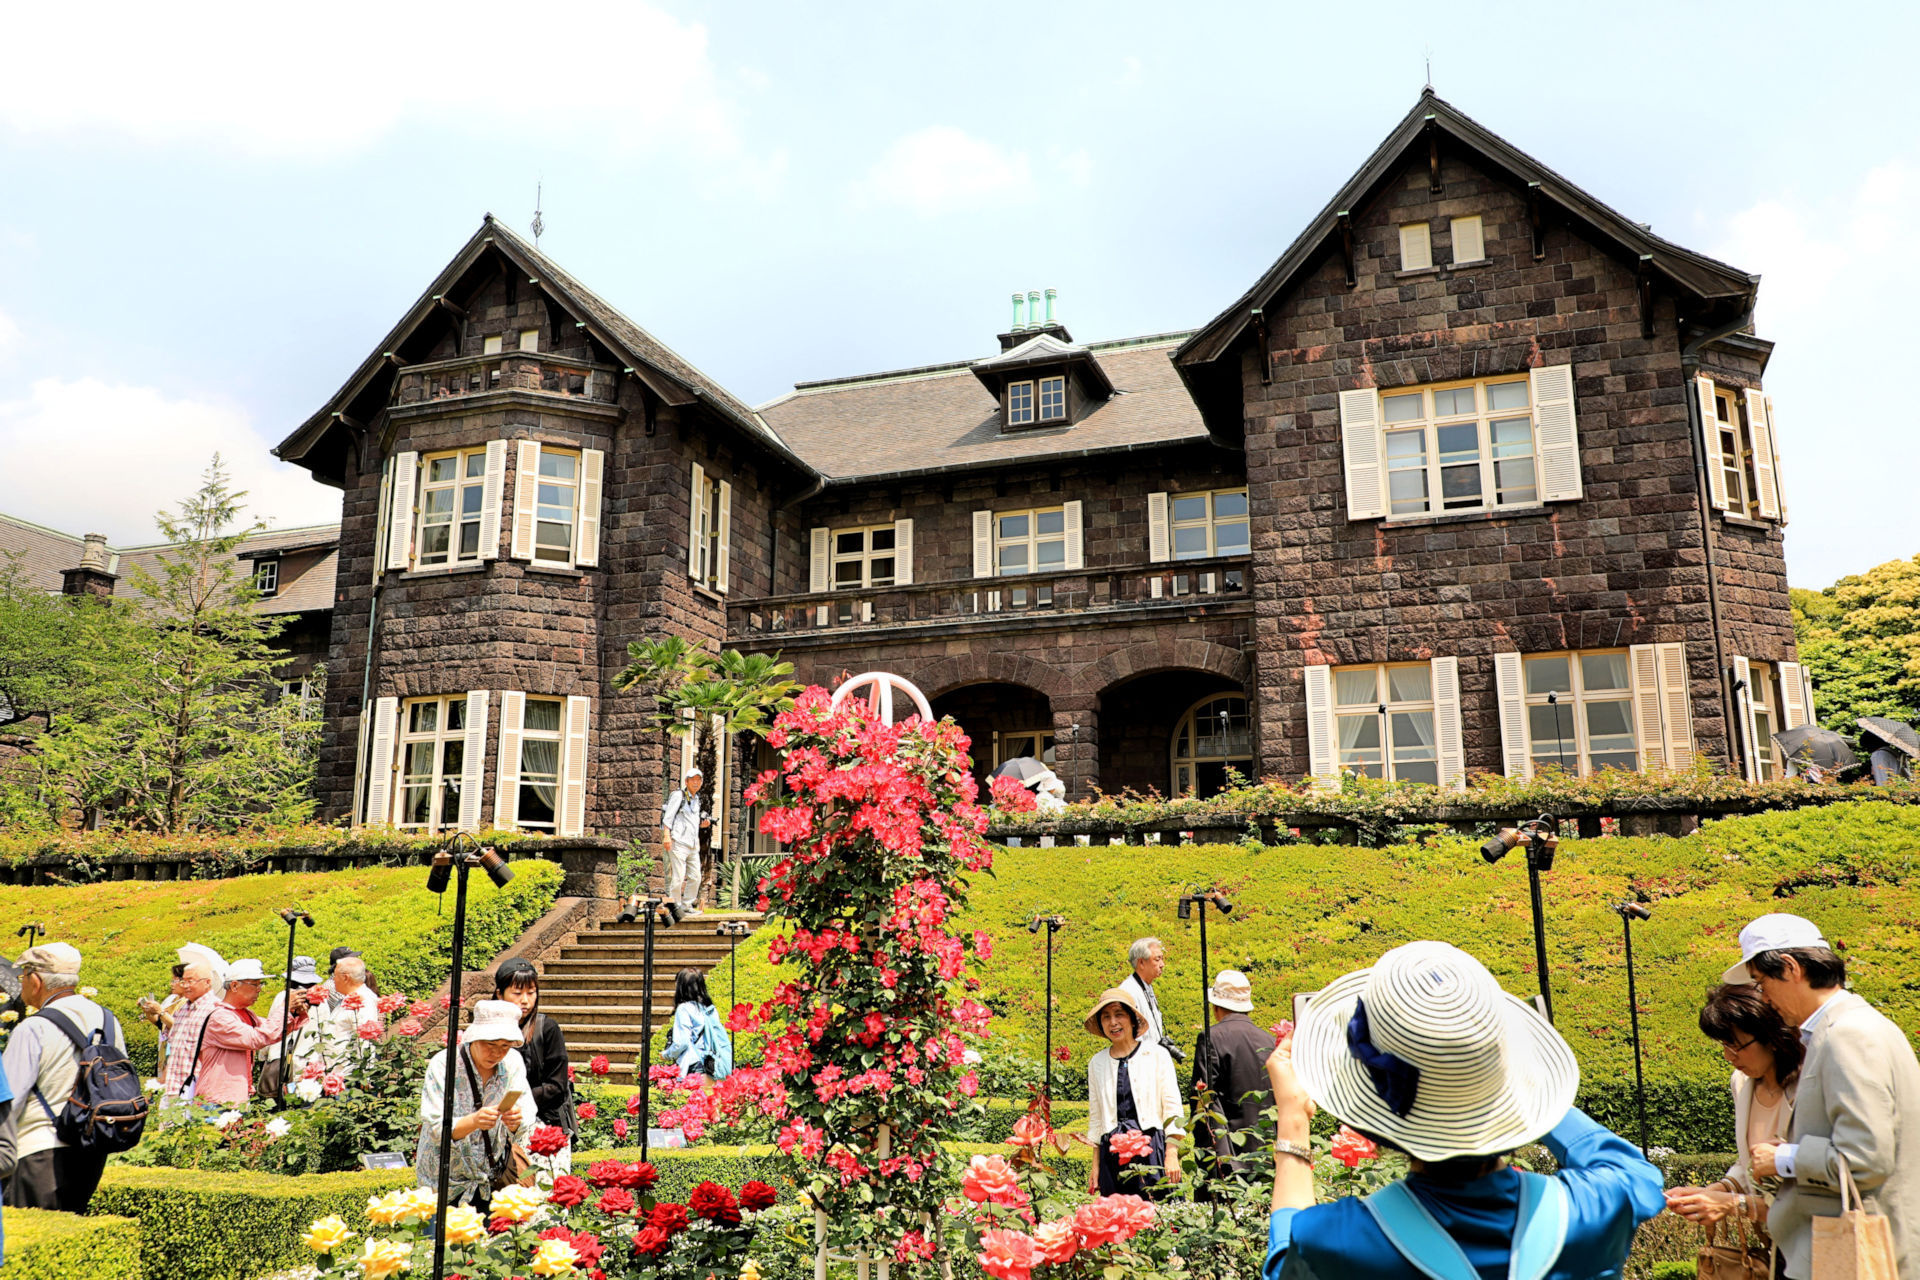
[941, 168]
[305, 81]
[1837, 283]
[92, 457]
[9, 332]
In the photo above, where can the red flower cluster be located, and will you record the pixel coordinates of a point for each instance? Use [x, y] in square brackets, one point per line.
[1009, 796]
[547, 1139]
[586, 1111]
[715, 1203]
[1012, 1255]
[568, 1191]
[637, 1176]
[756, 1196]
[614, 1202]
[668, 1217]
[585, 1244]
[1350, 1148]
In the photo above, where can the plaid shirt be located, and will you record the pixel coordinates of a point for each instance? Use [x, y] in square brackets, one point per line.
[183, 1042]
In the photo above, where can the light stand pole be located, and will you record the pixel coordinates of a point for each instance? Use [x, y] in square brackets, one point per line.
[1629, 912]
[32, 931]
[733, 931]
[444, 862]
[294, 917]
[1054, 924]
[1541, 835]
[653, 906]
[1200, 898]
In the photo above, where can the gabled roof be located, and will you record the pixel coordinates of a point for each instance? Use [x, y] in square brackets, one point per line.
[1042, 349]
[1687, 271]
[316, 443]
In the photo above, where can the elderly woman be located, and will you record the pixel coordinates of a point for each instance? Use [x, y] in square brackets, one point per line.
[1425, 1053]
[1765, 1054]
[485, 1129]
[1133, 1099]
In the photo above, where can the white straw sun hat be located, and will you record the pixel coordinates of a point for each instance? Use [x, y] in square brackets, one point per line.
[1469, 1069]
[495, 1020]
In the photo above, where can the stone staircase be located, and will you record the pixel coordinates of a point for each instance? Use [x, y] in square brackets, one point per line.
[592, 986]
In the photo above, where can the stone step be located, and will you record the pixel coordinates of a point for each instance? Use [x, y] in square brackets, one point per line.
[621, 949]
[587, 1016]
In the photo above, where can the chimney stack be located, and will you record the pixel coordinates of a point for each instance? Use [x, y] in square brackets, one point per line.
[1029, 320]
[90, 576]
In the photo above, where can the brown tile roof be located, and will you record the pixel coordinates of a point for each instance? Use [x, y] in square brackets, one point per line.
[941, 418]
[43, 554]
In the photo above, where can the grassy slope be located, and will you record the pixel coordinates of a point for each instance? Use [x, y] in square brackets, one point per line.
[1309, 913]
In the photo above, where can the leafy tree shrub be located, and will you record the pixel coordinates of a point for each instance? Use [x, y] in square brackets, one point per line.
[44, 1245]
[1860, 638]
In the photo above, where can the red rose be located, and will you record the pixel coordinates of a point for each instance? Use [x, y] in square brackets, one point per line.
[420, 1008]
[316, 997]
[620, 1130]
[640, 1176]
[547, 1139]
[408, 1027]
[586, 1111]
[1349, 1148]
[615, 1202]
[370, 1031]
[570, 1075]
[567, 1189]
[633, 1104]
[652, 1242]
[331, 1085]
[606, 1173]
[715, 1203]
[1101, 1222]
[588, 1247]
[755, 1196]
[668, 1217]
[1029, 1131]
[599, 1064]
[499, 1226]
[1063, 1053]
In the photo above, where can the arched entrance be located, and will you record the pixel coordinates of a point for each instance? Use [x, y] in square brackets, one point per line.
[1141, 720]
[1213, 738]
[1003, 720]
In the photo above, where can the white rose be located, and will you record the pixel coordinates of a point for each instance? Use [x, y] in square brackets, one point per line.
[278, 1126]
[305, 1090]
[152, 1086]
[227, 1120]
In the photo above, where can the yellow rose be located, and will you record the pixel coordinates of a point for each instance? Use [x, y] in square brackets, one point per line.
[327, 1235]
[553, 1258]
[751, 1271]
[518, 1204]
[415, 1204]
[465, 1225]
[383, 1258]
[383, 1211]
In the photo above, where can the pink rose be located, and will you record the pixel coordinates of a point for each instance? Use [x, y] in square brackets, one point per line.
[1056, 1242]
[1007, 1255]
[332, 1085]
[599, 1064]
[991, 1179]
[1132, 1145]
[1100, 1223]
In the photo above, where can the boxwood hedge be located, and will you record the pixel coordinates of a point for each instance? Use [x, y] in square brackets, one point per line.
[44, 1245]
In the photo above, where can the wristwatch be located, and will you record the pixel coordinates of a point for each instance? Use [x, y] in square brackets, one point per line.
[1299, 1150]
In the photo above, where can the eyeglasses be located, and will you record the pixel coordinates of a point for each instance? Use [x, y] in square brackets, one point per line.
[1729, 1049]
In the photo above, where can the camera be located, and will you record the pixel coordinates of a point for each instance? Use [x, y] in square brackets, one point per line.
[1541, 838]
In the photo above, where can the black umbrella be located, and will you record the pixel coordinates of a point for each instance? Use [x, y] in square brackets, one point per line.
[1811, 745]
[1901, 737]
[1022, 769]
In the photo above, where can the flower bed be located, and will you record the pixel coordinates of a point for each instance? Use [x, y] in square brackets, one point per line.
[44, 1245]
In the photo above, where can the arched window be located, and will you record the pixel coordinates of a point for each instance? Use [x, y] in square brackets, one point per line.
[1216, 734]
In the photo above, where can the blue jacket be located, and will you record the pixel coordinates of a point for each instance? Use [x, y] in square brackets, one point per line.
[1610, 1188]
[697, 1031]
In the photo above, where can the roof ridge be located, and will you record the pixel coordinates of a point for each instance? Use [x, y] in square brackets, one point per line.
[25, 523]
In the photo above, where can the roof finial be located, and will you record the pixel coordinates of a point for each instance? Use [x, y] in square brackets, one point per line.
[1429, 88]
[539, 224]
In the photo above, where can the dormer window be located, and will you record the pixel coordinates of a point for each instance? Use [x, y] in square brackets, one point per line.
[266, 577]
[1019, 404]
[1053, 399]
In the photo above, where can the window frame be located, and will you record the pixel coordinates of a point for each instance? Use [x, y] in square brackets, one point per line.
[709, 540]
[577, 483]
[557, 736]
[1763, 695]
[443, 783]
[1211, 522]
[1384, 708]
[1032, 540]
[864, 557]
[1736, 469]
[1487, 460]
[1044, 739]
[1040, 392]
[1187, 725]
[457, 517]
[1031, 409]
[1579, 698]
[266, 577]
[1416, 233]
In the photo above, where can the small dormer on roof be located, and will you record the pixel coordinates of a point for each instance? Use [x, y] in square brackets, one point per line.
[1040, 378]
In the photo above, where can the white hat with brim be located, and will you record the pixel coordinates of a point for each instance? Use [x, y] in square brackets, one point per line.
[246, 971]
[495, 1020]
[1493, 1074]
[1231, 991]
[1776, 932]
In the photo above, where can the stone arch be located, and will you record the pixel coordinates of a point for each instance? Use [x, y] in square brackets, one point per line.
[998, 666]
[1167, 654]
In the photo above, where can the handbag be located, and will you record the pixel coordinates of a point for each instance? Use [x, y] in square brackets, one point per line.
[1855, 1245]
[1745, 1260]
[516, 1167]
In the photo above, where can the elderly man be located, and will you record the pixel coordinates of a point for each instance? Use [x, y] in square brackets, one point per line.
[683, 821]
[1148, 957]
[233, 1033]
[200, 986]
[352, 1007]
[1858, 1099]
[41, 1068]
[302, 1045]
[1230, 1089]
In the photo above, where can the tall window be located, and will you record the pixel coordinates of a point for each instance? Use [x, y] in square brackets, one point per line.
[1735, 455]
[1030, 541]
[1580, 711]
[451, 488]
[539, 799]
[266, 576]
[707, 536]
[1053, 399]
[1036, 744]
[558, 500]
[1766, 719]
[1384, 719]
[432, 753]
[863, 558]
[1460, 447]
[1213, 737]
[1019, 404]
[1209, 524]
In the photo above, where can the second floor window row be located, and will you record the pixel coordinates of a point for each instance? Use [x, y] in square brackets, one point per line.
[445, 508]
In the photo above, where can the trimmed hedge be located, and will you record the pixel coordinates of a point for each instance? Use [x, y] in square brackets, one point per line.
[44, 1245]
[80, 857]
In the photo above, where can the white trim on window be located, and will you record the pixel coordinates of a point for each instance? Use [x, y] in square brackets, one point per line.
[379, 810]
[473, 763]
[1320, 754]
[573, 767]
[1229, 743]
[506, 787]
[865, 557]
[1159, 540]
[903, 553]
[1209, 523]
[819, 559]
[400, 520]
[266, 577]
[1416, 246]
[586, 527]
[983, 544]
[1379, 711]
[1020, 405]
[491, 499]
[1469, 239]
[526, 486]
[1024, 541]
[430, 767]
[1051, 394]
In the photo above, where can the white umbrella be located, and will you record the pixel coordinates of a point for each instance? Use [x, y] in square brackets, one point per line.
[193, 952]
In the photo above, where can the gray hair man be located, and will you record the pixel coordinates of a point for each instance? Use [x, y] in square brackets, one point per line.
[683, 821]
[354, 1005]
[201, 985]
[1148, 956]
[42, 1068]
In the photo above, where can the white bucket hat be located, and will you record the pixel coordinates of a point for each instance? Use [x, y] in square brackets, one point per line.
[495, 1020]
[1776, 932]
[246, 971]
[1453, 1065]
[1231, 990]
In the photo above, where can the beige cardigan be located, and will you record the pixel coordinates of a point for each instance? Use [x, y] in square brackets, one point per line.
[1156, 1091]
[1740, 1176]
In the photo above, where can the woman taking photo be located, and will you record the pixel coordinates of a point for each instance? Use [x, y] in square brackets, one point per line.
[544, 1054]
[1765, 1054]
[1131, 1090]
[485, 1132]
[698, 1044]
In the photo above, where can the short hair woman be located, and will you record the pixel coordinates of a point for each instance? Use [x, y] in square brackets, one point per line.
[484, 1132]
[1132, 1089]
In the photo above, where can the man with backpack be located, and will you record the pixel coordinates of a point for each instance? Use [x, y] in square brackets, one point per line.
[77, 1098]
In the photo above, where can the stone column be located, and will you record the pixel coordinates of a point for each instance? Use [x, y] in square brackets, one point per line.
[1076, 743]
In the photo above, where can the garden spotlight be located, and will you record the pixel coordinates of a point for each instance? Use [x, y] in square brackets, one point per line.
[652, 908]
[1054, 924]
[294, 918]
[32, 931]
[1629, 912]
[1224, 905]
[1542, 838]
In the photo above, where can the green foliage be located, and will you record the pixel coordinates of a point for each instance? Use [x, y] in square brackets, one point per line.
[82, 856]
[1860, 639]
[1673, 1271]
[41, 638]
[1307, 913]
[690, 687]
[44, 1245]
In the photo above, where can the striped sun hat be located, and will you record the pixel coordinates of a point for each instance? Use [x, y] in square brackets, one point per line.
[1425, 1050]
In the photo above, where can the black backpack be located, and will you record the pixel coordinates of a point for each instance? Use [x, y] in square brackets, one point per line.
[107, 1111]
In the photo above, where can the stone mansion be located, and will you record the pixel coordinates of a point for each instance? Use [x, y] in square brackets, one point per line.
[1479, 476]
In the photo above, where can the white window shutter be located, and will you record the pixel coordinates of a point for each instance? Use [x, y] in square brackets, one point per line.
[717, 789]
[1449, 742]
[903, 553]
[1806, 685]
[1710, 436]
[1076, 543]
[725, 566]
[820, 560]
[1159, 537]
[1765, 479]
[473, 760]
[383, 522]
[1643, 668]
[1469, 239]
[586, 528]
[1360, 448]
[687, 753]
[526, 498]
[380, 763]
[492, 492]
[983, 544]
[1416, 246]
[1676, 705]
[1557, 432]
[406, 467]
[1743, 701]
[696, 519]
[572, 818]
[1793, 696]
[1515, 759]
[1320, 757]
[506, 790]
[1779, 477]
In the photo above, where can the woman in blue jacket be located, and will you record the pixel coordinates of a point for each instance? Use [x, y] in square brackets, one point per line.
[699, 1043]
[1426, 1054]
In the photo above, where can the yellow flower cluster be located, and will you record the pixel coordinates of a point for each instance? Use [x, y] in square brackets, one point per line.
[554, 1258]
[327, 1234]
[383, 1258]
[519, 1204]
[465, 1225]
[399, 1208]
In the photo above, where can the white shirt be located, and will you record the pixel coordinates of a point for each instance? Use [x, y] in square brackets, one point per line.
[681, 818]
[40, 1053]
[1156, 1091]
[1786, 1155]
[1141, 994]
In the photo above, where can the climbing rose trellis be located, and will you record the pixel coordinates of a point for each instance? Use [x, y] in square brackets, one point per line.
[880, 827]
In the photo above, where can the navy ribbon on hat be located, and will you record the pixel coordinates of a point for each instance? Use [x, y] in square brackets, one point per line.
[1395, 1079]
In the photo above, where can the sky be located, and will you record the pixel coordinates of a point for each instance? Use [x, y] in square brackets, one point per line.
[210, 213]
